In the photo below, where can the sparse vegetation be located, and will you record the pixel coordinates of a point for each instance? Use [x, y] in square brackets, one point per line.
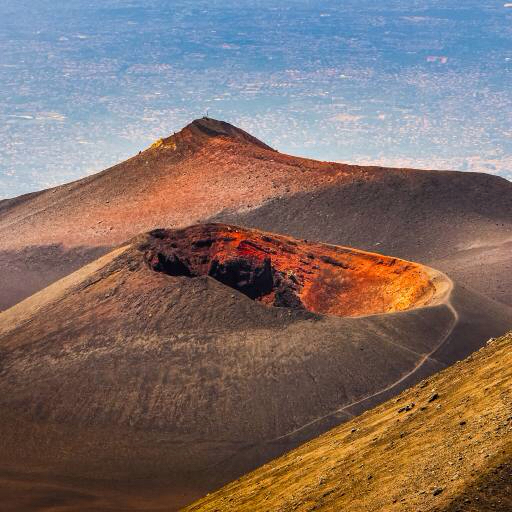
[164, 143]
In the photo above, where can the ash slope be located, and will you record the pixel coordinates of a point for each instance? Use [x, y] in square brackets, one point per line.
[460, 223]
[116, 382]
[444, 445]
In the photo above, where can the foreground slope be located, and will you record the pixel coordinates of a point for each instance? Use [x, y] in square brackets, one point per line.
[458, 222]
[443, 445]
[165, 369]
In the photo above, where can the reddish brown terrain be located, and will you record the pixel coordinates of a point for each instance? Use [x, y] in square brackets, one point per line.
[283, 272]
[184, 359]
[458, 222]
[205, 168]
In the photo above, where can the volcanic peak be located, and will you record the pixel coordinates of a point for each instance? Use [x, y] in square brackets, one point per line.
[206, 129]
[283, 272]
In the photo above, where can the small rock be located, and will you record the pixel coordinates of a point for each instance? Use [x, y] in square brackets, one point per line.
[433, 397]
[406, 408]
[437, 491]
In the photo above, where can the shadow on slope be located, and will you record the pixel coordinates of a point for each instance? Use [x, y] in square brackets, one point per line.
[117, 381]
[33, 268]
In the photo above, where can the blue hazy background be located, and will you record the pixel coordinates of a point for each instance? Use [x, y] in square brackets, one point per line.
[87, 83]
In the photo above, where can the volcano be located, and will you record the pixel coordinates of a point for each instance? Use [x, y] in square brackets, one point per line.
[460, 223]
[185, 358]
[268, 299]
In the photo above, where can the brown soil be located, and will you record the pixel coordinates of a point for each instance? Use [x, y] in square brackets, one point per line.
[123, 387]
[444, 445]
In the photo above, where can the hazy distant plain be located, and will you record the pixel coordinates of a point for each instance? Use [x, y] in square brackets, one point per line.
[405, 83]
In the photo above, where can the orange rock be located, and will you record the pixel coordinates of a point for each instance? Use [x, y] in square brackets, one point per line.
[281, 271]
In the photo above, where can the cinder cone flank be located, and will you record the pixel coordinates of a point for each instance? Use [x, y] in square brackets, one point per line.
[188, 357]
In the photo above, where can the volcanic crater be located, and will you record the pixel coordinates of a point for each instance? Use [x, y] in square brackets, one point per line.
[284, 272]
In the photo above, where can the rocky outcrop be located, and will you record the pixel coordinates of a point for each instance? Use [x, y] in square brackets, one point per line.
[283, 272]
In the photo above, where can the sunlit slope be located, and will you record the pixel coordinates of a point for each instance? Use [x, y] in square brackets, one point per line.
[443, 445]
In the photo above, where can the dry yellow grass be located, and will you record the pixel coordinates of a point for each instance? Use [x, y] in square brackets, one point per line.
[164, 143]
[451, 451]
